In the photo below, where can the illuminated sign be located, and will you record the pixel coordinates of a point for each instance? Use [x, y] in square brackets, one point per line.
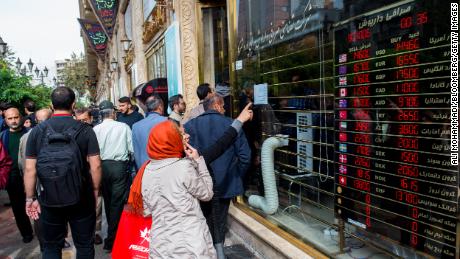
[393, 173]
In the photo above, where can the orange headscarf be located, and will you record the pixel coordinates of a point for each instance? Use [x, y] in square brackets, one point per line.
[165, 141]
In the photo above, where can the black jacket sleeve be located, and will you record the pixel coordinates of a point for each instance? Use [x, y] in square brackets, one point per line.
[214, 151]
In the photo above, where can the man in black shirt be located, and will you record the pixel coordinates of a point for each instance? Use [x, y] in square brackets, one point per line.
[15, 186]
[82, 215]
[127, 114]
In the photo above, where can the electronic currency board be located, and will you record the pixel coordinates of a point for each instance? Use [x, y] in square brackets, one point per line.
[392, 98]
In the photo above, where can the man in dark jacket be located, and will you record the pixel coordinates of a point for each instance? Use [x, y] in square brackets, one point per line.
[127, 113]
[228, 170]
[15, 186]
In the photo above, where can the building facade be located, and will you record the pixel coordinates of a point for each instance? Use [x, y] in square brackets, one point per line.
[349, 89]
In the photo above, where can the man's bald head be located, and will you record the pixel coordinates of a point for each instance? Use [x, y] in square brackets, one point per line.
[42, 115]
[214, 102]
[13, 118]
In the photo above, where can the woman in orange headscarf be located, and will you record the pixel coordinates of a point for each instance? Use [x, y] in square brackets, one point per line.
[172, 186]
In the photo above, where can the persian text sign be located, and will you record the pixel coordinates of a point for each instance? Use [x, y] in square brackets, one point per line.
[95, 36]
[106, 12]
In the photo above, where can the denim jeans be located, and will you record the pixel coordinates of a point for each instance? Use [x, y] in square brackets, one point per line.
[53, 223]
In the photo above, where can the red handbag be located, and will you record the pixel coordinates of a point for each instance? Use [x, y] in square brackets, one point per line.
[5, 166]
[133, 236]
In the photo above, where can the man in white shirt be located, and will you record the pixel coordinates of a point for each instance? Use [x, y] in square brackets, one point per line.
[116, 147]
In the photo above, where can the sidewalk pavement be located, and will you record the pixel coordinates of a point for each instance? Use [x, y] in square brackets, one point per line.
[11, 245]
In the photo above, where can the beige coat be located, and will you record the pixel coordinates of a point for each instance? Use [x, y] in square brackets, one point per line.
[171, 190]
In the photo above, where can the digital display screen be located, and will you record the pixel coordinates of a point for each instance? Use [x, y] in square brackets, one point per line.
[392, 98]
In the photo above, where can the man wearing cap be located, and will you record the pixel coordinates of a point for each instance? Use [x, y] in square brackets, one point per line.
[127, 114]
[115, 143]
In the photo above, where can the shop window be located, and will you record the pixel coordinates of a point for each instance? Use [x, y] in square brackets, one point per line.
[129, 21]
[350, 86]
[148, 6]
[156, 62]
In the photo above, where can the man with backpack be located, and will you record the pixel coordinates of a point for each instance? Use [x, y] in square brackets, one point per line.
[60, 152]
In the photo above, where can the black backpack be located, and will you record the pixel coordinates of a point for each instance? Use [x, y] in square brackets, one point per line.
[59, 166]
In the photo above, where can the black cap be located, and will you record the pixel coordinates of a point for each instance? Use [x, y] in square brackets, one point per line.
[106, 105]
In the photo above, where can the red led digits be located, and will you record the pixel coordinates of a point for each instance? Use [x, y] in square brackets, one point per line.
[361, 66]
[411, 185]
[362, 185]
[407, 87]
[364, 174]
[411, 44]
[363, 150]
[406, 197]
[363, 126]
[361, 102]
[361, 90]
[407, 73]
[407, 59]
[408, 129]
[362, 138]
[361, 54]
[408, 143]
[361, 78]
[408, 170]
[408, 101]
[409, 157]
[363, 162]
[419, 19]
[359, 35]
[408, 115]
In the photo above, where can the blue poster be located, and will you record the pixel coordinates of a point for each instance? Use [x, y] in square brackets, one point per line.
[173, 60]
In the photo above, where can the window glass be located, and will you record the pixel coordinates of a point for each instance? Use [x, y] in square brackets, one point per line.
[129, 21]
[148, 6]
[354, 87]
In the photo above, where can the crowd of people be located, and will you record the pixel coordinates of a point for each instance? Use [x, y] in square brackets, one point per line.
[60, 164]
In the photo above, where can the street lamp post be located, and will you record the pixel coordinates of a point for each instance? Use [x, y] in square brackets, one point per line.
[3, 47]
[30, 64]
[18, 64]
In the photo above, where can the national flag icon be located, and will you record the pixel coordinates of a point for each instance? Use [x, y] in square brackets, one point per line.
[343, 147]
[343, 158]
[343, 80]
[343, 169]
[343, 125]
[343, 103]
[343, 115]
[343, 92]
[342, 180]
[342, 58]
[342, 137]
[342, 70]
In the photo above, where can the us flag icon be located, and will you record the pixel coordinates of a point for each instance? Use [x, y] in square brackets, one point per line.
[342, 58]
[343, 169]
[343, 115]
[343, 158]
[343, 80]
[343, 103]
[342, 180]
[343, 125]
[343, 137]
[343, 92]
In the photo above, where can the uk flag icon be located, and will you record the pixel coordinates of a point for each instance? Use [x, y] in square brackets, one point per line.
[343, 169]
[343, 80]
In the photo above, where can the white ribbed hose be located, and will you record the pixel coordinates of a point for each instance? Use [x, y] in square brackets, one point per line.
[269, 203]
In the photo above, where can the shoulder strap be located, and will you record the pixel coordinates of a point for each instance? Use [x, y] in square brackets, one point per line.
[75, 130]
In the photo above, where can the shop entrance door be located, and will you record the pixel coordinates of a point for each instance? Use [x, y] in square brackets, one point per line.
[214, 44]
